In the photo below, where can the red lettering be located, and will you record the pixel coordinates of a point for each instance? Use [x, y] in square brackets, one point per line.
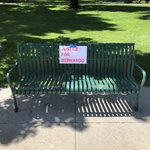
[69, 49]
[65, 54]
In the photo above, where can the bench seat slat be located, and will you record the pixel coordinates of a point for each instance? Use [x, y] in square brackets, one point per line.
[89, 84]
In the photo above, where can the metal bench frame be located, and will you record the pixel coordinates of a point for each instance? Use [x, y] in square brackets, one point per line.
[109, 69]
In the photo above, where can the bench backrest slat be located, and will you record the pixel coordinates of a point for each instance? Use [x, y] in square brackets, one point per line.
[41, 60]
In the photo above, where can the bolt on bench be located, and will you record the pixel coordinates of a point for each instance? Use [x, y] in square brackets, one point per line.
[109, 69]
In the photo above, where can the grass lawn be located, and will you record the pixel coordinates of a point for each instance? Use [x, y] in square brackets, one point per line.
[56, 23]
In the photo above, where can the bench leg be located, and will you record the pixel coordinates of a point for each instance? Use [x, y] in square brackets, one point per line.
[136, 108]
[15, 104]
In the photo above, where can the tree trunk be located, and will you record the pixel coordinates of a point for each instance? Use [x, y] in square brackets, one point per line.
[74, 4]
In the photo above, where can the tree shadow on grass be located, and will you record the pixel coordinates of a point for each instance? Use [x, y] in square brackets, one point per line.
[116, 8]
[145, 16]
[40, 20]
[120, 8]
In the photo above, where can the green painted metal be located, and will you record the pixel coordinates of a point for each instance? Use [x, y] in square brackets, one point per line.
[109, 69]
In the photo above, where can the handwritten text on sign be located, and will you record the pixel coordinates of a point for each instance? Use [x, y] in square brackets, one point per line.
[72, 54]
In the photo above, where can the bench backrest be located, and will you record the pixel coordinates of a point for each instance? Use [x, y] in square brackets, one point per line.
[113, 59]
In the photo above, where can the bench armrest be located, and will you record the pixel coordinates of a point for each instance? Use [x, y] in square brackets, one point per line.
[143, 75]
[10, 74]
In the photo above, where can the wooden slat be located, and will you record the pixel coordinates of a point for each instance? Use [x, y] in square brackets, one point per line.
[53, 60]
[34, 65]
[110, 61]
[118, 61]
[76, 85]
[101, 85]
[88, 83]
[97, 85]
[18, 60]
[80, 83]
[45, 60]
[85, 88]
[113, 84]
[102, 61]
[94, 58]
[132, 59]
[56, 55]
[93, 84]
[98, 60]
[113, 60]
[125, 61]
[25, 61]
[42, 62]
[129, 61]
[38, 61]
[22, 62]
[121, 60]
[106, 49]
[72, 84]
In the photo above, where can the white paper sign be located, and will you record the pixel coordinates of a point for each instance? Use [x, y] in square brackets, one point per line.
[73, 54]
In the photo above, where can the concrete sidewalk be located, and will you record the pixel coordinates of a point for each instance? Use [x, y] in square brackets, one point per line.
[74, 122]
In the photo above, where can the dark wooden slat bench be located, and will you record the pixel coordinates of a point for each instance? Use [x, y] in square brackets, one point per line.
[109, 69]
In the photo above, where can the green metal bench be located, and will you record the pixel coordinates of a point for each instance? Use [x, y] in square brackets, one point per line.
[109, 69]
